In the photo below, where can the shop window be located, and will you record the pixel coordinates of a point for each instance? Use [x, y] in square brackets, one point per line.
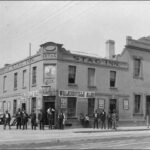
[137, 68]
[137, 103]
[33, 104]
[4, 83]
[24, 78]
[34, 75]
[91, 77]
[71, 107]
[14, 107]
[72, 74]
[15, 80]
[91, 104]
[112, 78]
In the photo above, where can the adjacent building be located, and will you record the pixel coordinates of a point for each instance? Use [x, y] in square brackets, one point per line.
[78, 83]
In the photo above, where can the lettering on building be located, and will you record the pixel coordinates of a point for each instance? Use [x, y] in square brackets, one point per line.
[80, 94]
[103, 62]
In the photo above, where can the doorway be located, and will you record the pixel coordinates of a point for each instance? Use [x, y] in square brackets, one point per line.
[112, 105]
[46, 106]
[148, 105]
[24, 106]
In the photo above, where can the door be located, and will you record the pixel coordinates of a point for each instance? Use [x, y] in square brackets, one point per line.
[48, 105]
[91, 103]
[148, 105]
[112, 105]
[24, 106]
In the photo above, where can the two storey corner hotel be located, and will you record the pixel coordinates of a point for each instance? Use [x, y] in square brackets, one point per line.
[77, 83]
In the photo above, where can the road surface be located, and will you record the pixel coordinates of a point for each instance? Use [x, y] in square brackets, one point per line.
[74, 139]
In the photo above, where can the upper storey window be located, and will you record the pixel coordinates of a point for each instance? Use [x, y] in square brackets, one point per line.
[4, 83]
[72, 74]
[34, 75]
[112, 78]
[15, 80]
[137, 72]
[91, 77]
[24, 80]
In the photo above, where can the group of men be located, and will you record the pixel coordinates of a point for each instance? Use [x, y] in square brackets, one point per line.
[21, 119]
[111, 119]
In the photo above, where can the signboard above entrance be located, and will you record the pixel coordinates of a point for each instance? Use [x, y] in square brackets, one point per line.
[80, 94]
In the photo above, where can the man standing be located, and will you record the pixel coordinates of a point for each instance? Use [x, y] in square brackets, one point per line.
[114, 119]
[103, 119]
[61, 118]
[24, 119]
[33, 120]
[41, 120]
[19, 118]
[50, 117]
[96, 115]
[6, 119]
[109, 120]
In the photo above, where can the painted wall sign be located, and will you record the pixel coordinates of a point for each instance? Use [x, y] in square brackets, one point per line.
[103, 62]
[49, 56]
[80, 94]
[101, 103]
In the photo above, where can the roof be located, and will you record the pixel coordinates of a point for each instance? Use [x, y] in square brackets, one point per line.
[50, 43]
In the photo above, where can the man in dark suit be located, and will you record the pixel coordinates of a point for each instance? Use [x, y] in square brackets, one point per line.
[96, 116]
[41, 119]
[103, 119]
[7, 119]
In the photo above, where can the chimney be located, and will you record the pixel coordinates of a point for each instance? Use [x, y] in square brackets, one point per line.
[128, 39]
[110, 49]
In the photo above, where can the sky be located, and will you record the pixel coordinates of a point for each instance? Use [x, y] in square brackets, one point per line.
[82, 26]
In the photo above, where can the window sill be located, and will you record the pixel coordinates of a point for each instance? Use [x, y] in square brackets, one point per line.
[33, 85]
[15, 89]
[92, 87]
[138, 114]
[113, 88]
[4, 91]
[24, 87]
[72, 84]
[138, 77]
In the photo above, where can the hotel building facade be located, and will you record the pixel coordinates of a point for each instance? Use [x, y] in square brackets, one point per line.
[77, 83]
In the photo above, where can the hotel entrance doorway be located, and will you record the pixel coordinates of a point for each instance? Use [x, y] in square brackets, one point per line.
[49, 102]
[112, 105]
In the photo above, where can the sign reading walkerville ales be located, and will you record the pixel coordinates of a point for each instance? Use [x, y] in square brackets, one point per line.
[81, 94]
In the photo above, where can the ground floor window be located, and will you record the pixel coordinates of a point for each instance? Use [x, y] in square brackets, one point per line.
[14, 106]
[137, 103]
[33, 104]
[71, 107]
[91, 104]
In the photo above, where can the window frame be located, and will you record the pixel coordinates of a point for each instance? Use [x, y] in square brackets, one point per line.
[115, 79]
[15, 80]
[140, 75]
[93, 85]
[4, 83]
[75, 71]
[24, 73]
[34, 76]
[141, 104]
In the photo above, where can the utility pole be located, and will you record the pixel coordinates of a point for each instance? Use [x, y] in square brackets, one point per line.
[29, 77]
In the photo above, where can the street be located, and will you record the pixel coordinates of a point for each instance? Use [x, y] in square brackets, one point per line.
[74, 139]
